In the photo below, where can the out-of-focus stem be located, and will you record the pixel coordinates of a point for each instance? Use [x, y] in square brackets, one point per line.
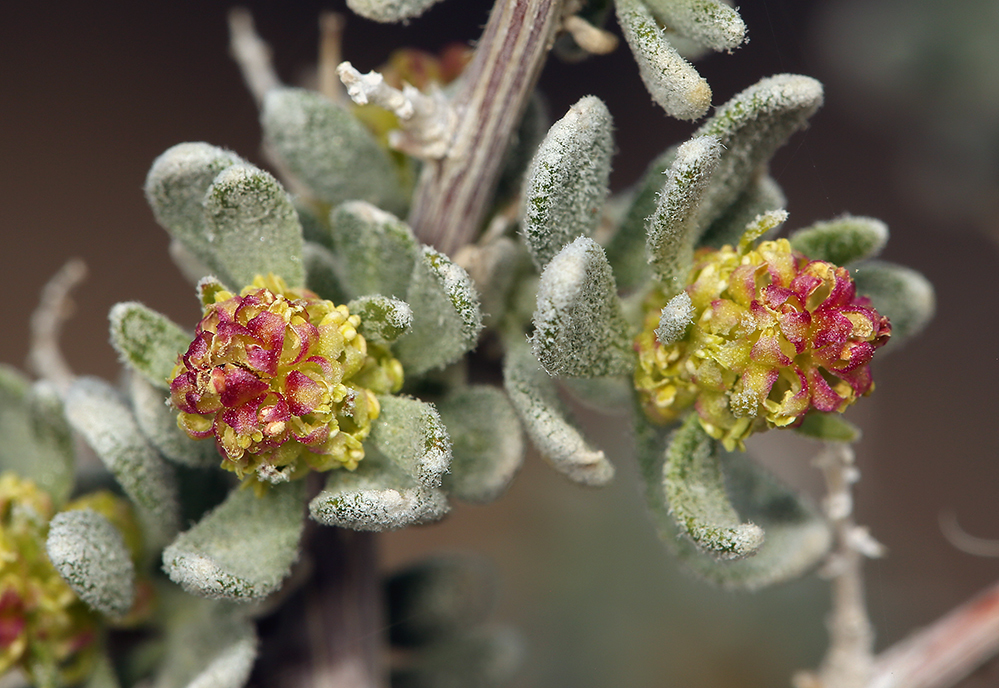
[45, 357]
[252, 54]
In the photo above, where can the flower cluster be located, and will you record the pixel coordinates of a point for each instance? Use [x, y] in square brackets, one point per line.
[44, 627]
[774, 336]
[283, 381]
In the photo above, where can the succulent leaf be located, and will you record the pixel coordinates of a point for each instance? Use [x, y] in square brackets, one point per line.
[253, 227]
[580, 329]
[828, 427]
[409, 432]
[244, 548]
[383, 319]
[710, 23]
[37, 442]
[900, 293]
[90, 554]
[548, 423]
[328, 149]
[446, 315]
[376, 250]
[673, 83]
[158, 422]
[96, 411]
[698, 502]
[843, 240]
[761, 196]
[390, 10]
[566, 183]
[322, 272]
[147, 341]
[486, 442]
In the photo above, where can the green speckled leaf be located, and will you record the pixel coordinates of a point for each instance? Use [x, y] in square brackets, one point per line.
[843, 240]
[375, 250]
[148, 342]
[900, 293]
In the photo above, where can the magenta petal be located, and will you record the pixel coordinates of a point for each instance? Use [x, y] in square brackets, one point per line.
[302, 392]
[240, 386]
[823, 396]
[242, 419]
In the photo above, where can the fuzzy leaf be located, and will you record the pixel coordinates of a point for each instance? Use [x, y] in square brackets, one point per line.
[566, 183]
[322, 272]
[253, 228]
[446, 316]
[383, 319]
[103, 674]
[208, 645]
[487, 442]
[904, 295]
[390, 10]
[750, 128]
[672, 82]
[626, 250]
[379, 495]
[157, 419]
[96, 411]
[674, 227]
[797, 536]
[90, 554]
[580, 330]
[328, 149]
[377, 251]
[676, 315]
[409, 432]
[176, 186]
[548, 423]
[439, 599]
[147, 341]
[761, 196]
[829, 427]
[37, 442]
[485, 658]
[695, 491]
[710, 23]
[605, 394]
[244, 548]
[843, 240]
[524, 143]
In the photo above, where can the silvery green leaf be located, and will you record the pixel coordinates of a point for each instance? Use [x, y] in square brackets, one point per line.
[694, 487]
[676, 316]
[175, 188]
[711, 23]
[376, 250]
[383, 319]
[672, 82]
[147, 341]
[797, 537]
[566, 183]
[761, 196]
[606, 394]
[904, 295]
[409, 432]
[829, 427]
[157, 419]
[322, 272]
[487, 442]
[379, 495]
[626, 250]
[446, 316]
[523, 143]
[328, 149]
[487, 657]
[750, 128]
[843, 240]
[90, 554]
[439, 599]
[208, 645]
[548, 422]
[244, 548]
[579, 328]
[252, 227]
[675, 226]
[37, 442]
[390, 10]
[96, 411]
[497, 268]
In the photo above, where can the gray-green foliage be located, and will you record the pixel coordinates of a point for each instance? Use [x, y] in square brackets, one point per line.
[375, 250]
[97, 412]
[328, 149]
[390, 10]
[487, 657]
[698, 502]
[579, 328]
[146, 341]
[322, 272]
[829, 427]
[548, 422]
[383, 319]
[843, 240]
[244, 548]
[566, 183]
[411, 435]
[157, 419]
[762, 195]
[90, 554]
[674, 319]
[900, 293]
[710, 23]
[37, 443]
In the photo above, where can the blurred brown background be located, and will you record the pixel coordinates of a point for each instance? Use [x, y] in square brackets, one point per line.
[90, 93]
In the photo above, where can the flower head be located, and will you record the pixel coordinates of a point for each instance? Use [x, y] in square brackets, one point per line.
[283, 381]
[774, 335]
[44, 627]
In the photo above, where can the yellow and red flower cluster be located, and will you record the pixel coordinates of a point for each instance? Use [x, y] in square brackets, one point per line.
[774, 336]
[283, 381]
